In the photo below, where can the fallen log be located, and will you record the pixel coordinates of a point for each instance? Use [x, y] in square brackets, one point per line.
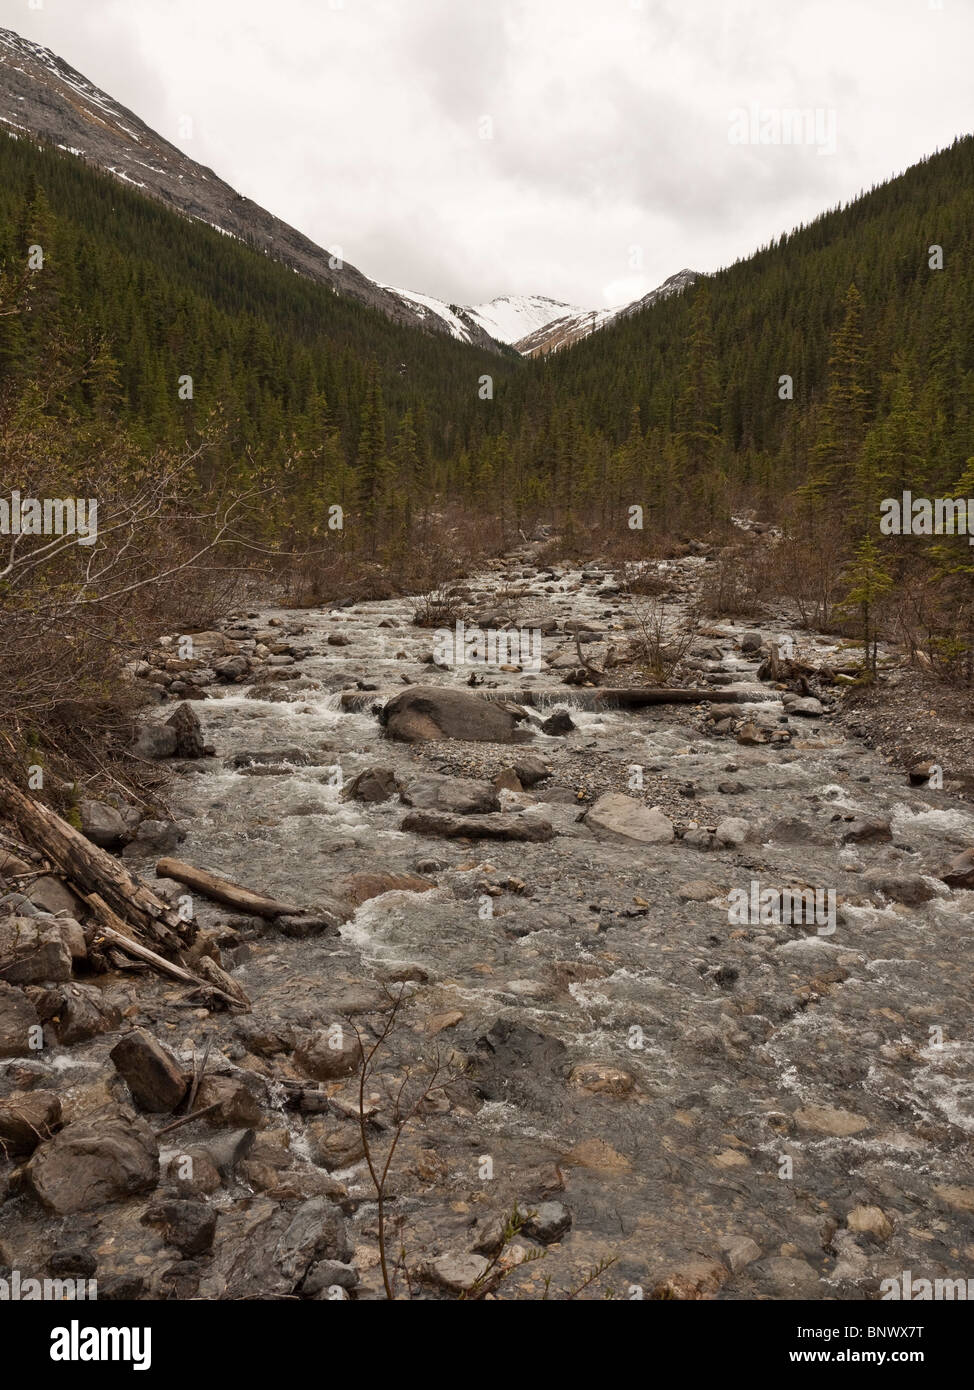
[221, 890]
[621, 697]
[92, 870]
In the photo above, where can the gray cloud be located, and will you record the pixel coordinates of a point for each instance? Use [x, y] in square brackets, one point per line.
[361, 122]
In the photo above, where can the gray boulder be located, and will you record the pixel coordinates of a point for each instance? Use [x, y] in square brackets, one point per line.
[493, 827]
[426, 713]
[461, 796]
[621, 817]
[101, 824]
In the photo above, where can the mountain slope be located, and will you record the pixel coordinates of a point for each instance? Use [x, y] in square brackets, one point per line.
[45, 97]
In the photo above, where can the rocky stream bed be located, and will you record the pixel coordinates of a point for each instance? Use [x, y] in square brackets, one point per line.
[722, 1108]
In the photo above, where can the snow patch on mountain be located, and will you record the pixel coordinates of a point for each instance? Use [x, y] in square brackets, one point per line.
[511, 317]
[426, 304]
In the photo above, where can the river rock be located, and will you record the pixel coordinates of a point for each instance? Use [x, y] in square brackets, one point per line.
[458, 1273]
[548, 1223]
[356, 889]
[731, 831]
[623, 818]
[500, 826]
[27, 1118]
[236, 1104]
[85, 1013]
[808, 707]
[870, 1220]
[33, 949]
[187, 1226]
[374, 784]
[825, 1119]
[698, 890]
[102, 1158]
[101, 824]
[265, 1250]
[531, 769]
[154, 1077]
[512, 1061]
[330, 1053]
[601, 1079]
[154, 837]
[155, 741]
[959, 873]
[18, 1018]
[425, 713]
[864, 831]
[185, 724]
[558, 723]
[327, 1275]
[911, 889]
[460, 796]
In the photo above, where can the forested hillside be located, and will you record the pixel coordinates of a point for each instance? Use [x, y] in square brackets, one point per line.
[832, 368]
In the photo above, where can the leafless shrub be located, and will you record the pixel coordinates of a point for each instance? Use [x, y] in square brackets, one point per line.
[737, 583]
[661, 639]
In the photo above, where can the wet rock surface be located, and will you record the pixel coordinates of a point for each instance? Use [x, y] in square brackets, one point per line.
[653, 1070]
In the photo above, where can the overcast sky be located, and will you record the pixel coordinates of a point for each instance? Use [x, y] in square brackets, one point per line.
[610, 162]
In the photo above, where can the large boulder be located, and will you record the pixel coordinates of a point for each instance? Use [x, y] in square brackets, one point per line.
[51, 895]
[186, 1225]
[461, 796]
[426, 713]
[102, 1158]
[495, 827]
[619, 817]
[155, 741]
[530, 769]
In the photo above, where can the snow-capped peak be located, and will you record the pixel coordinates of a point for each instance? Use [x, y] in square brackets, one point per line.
[511, 317]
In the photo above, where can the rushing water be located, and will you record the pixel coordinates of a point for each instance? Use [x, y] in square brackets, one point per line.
[778, 1078]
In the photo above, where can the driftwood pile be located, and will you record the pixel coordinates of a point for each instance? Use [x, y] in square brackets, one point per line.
[125, 913]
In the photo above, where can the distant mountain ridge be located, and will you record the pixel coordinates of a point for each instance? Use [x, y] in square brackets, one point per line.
[44, 97]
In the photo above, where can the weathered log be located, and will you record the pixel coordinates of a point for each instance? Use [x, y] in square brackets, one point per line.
[92, 870]
[221, 890]
[623, 697]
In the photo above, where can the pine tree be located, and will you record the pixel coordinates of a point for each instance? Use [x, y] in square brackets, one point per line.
[836, 455]
[867, 580]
